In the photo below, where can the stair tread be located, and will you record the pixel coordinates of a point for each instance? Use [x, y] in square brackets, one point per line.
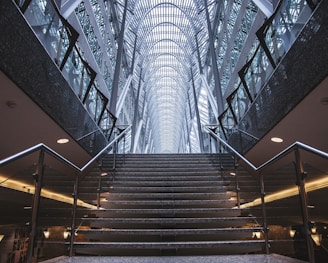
[173, 243]
[189, 231]
[162, 195]
[168, 219]
[170, 210]
[171, 202]
[165, 202]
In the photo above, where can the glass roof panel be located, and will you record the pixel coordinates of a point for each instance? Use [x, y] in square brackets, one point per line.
[165, 33]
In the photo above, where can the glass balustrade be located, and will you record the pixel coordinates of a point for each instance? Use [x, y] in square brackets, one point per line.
[279, 33]
[59, 39]
[287, 196]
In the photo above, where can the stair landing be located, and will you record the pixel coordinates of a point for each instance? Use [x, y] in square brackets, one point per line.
[273, 258]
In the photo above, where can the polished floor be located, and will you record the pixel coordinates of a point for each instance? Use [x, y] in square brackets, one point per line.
[273, 258]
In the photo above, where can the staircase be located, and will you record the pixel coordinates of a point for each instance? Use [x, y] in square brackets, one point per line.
[164, 205]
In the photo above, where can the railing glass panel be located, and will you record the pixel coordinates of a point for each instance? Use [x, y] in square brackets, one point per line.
[285, 27]
[284, 214]
[18, 182]
[33, 227]
[258, 72]
[95, 103]
[59, 39]
[55, 214]
[47, 25]
[227, 122]
[77, 74]
[287, 195]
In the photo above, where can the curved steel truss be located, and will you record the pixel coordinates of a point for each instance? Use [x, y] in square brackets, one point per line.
[164, 35]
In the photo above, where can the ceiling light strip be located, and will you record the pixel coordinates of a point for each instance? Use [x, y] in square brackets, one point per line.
[289, 192]
[30, 189]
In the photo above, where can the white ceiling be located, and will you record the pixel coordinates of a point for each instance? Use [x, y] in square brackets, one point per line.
[307, 123]
[24, 124]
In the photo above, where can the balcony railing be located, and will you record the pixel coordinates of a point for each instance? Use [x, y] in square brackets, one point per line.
[59, 38]
[290, 204]
[274, 39]
[50, 187]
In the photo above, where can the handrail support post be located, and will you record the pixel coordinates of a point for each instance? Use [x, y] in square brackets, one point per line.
[237, 181]
[38, 177]
[265, 223]
[99, 192]
[115, 150]
[300, 176]
[124, 149]
[74, 207]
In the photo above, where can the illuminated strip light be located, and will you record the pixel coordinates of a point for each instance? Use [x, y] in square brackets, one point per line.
[293, 191]
[29, 189]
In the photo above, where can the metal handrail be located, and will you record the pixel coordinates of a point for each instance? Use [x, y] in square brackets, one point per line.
[300, 183]
[59, 157]
[289, 149]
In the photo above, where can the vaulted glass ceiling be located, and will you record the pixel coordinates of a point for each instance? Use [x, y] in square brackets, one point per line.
[164, 34]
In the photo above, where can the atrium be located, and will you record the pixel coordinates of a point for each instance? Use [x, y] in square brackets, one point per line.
[161, 77]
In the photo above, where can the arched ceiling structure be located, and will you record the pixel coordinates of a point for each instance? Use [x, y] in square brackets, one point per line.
[164, 35]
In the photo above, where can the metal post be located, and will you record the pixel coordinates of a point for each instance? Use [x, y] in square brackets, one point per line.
[98, 192]
[237, 182]
[114, 150]
[38, 177]
[220, 154]
[124, 148]
[300, 176]
[73, 226]
[210, 144]
[265, 224]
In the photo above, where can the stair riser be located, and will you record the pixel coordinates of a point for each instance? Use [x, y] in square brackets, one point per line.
[162, 196]
[168, 249]
[121, 189]
[168, 224]
[172, 235]
[192, 212]
[166, 205]
[168, 184]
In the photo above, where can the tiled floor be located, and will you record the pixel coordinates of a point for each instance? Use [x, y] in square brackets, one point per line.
[196, 259]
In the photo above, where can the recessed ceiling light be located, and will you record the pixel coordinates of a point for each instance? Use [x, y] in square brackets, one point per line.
[324, 101]
[277, 139]
[11, 104]
[62, 141]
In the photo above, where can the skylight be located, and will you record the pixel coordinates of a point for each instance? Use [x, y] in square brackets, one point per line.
[166, 56]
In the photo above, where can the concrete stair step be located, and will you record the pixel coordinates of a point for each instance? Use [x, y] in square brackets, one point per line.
[159, 189]
[168, 222]
[109, 197]
[168, 177]
[167, 165]
[165, 204]
[164, 183]
[177, 164]
[169, 248]
[185, 234]
[161, 196]
[169, 173]
[179, 212]
[179, 156]
[168, 203]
